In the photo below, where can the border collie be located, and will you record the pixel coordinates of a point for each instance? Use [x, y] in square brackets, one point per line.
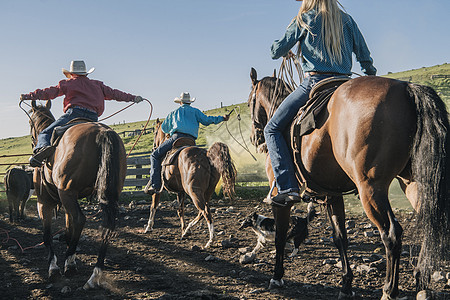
[264, 227]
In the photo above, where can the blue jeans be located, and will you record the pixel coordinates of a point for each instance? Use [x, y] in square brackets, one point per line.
[279, 151]
[158, 155]
[72, 113]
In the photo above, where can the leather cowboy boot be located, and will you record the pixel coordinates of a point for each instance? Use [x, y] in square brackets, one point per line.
[37, 159]
[149, 189]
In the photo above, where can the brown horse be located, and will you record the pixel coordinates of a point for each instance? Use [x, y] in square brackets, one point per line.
[196, 173]
[89, 159]
[373, 130]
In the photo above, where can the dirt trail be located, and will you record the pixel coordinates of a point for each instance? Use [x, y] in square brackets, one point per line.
[157, 265]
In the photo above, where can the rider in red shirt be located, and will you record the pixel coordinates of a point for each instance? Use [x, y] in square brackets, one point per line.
[84, 98]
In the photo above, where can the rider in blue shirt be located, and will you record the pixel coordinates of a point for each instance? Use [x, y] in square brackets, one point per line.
[182, 122]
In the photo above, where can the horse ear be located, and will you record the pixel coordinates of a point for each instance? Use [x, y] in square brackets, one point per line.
[274, 73]
[33, 103]
[253, 76]
[157, 121]
[48, 104]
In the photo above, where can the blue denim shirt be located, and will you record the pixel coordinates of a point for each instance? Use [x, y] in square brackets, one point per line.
[186, 119]
[314, 55]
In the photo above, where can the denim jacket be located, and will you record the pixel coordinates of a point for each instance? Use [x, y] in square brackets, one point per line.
[314, 54]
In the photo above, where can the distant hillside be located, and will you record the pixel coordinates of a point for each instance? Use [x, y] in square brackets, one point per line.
[437, 77]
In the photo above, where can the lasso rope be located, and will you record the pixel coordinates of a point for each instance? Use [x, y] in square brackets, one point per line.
[240, 131]
[101, 120]
[8, 237]
[238, 116]
[286, 77]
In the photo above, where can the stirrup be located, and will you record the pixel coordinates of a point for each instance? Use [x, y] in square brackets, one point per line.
[34, 162]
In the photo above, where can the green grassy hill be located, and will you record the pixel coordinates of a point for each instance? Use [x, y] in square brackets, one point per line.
[426, 76]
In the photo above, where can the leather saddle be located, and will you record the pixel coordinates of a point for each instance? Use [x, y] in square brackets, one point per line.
[304, 123]
[177, 146]
[306, 120]
[59, 131]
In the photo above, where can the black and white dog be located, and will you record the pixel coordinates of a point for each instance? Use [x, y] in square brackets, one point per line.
[264, 227]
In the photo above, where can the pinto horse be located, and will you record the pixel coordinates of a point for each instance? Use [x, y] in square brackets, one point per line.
[89, 159]
[373, 130]
[195, 172]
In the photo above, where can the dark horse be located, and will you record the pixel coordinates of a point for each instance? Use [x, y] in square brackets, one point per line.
[89, 159]
[195, 172]
[373, 130]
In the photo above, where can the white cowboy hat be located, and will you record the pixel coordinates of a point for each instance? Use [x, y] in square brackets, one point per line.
[184, 98]
[77, 67]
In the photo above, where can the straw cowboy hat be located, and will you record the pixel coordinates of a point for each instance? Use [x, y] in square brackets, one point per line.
[184, 98]
[77, 67]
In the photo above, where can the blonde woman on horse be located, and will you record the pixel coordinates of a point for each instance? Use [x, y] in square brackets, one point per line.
[182, 122]
[84, 98]
[327, 37]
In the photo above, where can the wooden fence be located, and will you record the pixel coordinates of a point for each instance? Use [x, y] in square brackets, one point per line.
[138, 164]
[138, 171]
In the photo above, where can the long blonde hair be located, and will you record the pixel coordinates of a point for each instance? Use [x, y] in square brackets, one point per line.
[332, 28]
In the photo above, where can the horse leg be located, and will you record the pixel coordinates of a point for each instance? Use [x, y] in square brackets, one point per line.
[281, 216]
[200, 202]
[208, 217]
[377, 207]
[22, 205]
[336, 213]
[410, 189]
[75, 221]
[153, 207]
[180, 211]
[16, 208]
[191, 224]
[46, 214]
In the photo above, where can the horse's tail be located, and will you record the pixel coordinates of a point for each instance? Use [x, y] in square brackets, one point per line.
[431, 171]
[108, 178]
[219, 155]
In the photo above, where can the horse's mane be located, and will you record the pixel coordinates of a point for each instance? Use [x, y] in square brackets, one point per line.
[40, 118]
[274, 93]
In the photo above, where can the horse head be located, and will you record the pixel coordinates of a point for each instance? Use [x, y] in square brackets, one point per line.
[263, 102]
[40, 118]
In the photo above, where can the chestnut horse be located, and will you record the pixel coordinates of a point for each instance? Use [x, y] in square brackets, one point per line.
[373, 130]
[89, 159]
[196, 173]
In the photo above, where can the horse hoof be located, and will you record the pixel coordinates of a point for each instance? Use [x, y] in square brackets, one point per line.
[54, 275]
[98, 279]
[387, 297]
[276, 284]
[70, 271]
[344, 296]
[424, 295]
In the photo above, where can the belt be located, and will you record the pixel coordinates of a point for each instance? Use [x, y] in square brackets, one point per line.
[85, 109]
[325, 73]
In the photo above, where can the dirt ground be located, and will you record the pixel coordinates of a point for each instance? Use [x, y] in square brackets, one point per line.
[158, 265]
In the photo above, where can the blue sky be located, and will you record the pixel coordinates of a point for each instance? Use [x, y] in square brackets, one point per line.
[159, 49]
